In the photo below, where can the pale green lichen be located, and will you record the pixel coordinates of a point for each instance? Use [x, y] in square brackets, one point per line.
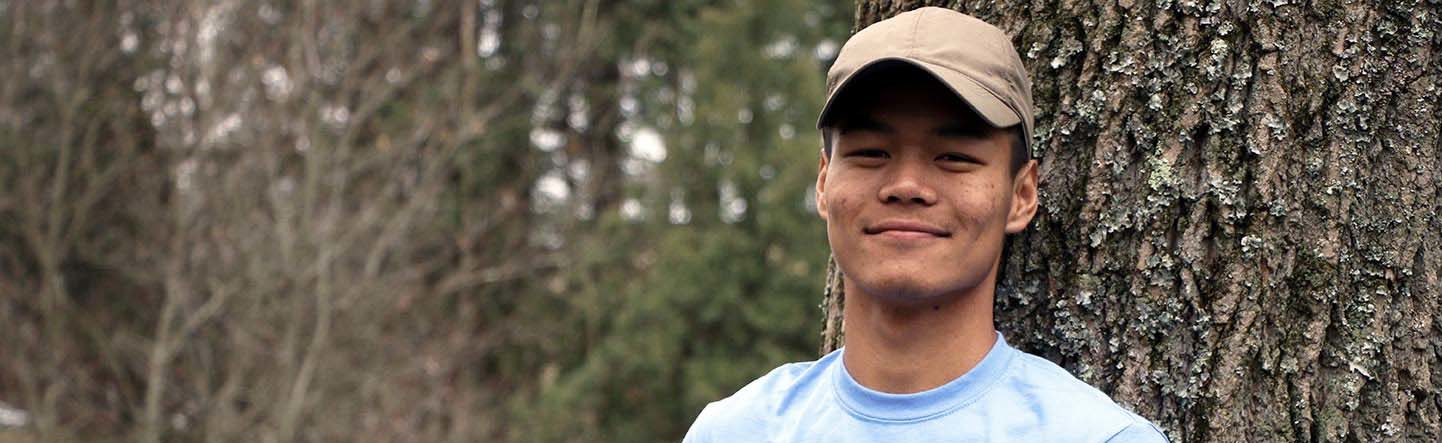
[1162, 174]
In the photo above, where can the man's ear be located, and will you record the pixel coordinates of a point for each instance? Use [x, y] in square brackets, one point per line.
[1023, 198]
[821, 185]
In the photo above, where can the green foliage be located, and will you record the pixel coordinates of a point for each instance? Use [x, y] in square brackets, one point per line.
[684, 303]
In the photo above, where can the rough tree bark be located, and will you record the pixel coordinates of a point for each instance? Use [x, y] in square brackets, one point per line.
[1238, 236]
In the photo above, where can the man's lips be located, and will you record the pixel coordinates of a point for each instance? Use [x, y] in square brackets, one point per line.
[905, 228]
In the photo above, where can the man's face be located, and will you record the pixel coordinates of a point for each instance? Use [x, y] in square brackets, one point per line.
[918, 194]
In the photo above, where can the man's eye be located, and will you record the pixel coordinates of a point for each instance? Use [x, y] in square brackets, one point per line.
[954, 157]
[869, 153]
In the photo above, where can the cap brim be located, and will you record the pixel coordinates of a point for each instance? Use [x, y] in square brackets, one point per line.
[986, 104]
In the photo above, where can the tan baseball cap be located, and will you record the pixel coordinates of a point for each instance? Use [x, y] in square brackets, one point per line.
[973, 58]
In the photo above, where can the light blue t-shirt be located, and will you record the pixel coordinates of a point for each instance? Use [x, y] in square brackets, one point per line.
[1011, 396]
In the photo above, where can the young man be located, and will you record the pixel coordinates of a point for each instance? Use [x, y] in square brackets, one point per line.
[925, 169]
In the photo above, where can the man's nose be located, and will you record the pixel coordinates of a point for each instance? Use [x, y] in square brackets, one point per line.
[907, 184]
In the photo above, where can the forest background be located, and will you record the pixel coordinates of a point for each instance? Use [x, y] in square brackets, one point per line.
[493, 220]
[582, 220]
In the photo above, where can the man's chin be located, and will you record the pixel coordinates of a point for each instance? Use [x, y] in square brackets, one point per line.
[903, 291]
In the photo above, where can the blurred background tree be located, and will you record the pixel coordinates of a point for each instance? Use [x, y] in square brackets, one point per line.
[402, 220]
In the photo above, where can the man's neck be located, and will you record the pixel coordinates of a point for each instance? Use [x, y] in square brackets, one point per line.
[908, 349]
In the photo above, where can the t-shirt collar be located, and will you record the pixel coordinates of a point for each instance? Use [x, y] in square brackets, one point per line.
[925, 405]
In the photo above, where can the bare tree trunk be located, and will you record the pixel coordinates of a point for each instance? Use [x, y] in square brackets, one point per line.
[1239, 235]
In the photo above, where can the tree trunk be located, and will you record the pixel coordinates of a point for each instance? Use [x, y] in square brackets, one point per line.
[1238, 236]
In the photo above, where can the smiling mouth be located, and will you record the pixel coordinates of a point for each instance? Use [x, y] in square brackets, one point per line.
[905, 229]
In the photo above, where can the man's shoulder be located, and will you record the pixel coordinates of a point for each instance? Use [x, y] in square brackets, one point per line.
[1072, 403]
[1043, 374]
[733, 417]
[768, 391]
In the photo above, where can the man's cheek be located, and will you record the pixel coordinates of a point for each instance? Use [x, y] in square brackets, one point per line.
[842, 207]
[840, 217]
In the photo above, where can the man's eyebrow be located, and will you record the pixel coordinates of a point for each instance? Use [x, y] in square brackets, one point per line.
[864, 122]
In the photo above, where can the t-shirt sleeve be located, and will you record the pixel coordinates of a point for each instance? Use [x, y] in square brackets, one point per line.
[1139, 432]
[699, 432]
[694, 436]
